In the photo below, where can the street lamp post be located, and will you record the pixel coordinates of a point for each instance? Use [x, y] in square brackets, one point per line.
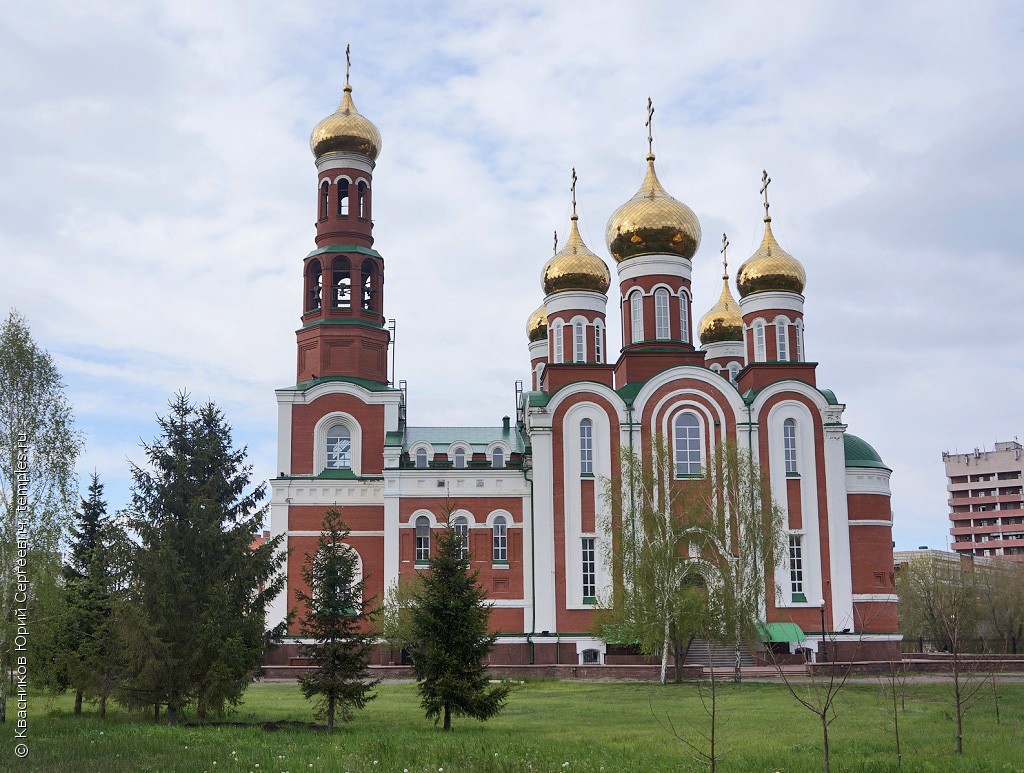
[821, 607]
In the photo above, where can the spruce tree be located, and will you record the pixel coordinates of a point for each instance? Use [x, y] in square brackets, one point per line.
[451, 637]
[92, 646]
[202, 588]
[337, 619]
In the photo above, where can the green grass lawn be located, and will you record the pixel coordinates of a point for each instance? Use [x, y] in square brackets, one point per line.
[546, 726]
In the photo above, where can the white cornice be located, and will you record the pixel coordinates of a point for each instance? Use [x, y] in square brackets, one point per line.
[654, 265]
[339, 160]
[576, 300]
[771, 301]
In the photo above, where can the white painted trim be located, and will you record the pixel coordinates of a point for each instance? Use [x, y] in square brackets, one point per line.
[717, 384]
[575, 300]
[341, 177]
[771, 301]
[591, 388]
[323, 426]
[730, 349]
[339, 160]
[653, 265]
[466, 447]
[881, 598]
[539, 350]
[544, 534]
[411, 520]
[327, 491]
[284, 438]
[868, 480]
[875, 522]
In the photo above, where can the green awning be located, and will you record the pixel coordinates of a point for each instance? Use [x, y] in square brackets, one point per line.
[780, 632]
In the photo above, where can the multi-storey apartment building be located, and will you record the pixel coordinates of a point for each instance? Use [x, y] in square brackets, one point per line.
[986, 501]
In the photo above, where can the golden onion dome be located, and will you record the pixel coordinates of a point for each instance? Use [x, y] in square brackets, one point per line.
[537, 325]
[770, 268]
[575, 267]
[345, 131]
[724, 320]
[652, 222]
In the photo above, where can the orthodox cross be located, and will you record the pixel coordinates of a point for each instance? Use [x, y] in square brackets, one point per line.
[725, 259]
[573, 189]
[348, 61]
[650, 127]
[556, 241]
[765, 179]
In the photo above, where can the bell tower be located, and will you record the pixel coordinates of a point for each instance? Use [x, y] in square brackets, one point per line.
[343, 332]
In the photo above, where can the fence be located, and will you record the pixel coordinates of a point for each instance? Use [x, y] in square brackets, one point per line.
[1009, 646]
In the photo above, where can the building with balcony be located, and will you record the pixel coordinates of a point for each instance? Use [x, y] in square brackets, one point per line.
[986, 501]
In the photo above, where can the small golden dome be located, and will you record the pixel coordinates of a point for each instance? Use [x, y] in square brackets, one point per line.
[537, 324]
[770, 268]
[575, 267]
[652, 222]
[345, 131]
[724, 320]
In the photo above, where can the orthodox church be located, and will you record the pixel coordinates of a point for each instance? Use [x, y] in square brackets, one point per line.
[526, 494]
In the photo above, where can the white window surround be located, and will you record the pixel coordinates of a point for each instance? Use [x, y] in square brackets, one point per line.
[789, 445]
[734, 371]
[467, 454]
[684, 316]
[662, 327]
[426, 448]
[760, 349]
[586, 434]
[499, 539]
[498, 445]
[558, 342]
[799, 340]
[636, 316]
[460, 524]
[687, 438]
[782, 339]
[599, 341]
[579, 342]
[320, 431]
[537, 375]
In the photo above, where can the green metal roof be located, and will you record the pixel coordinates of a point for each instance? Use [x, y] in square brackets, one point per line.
[478, 438]
[628, 392]
[861, 454]
[538, 399]
[780, 632]
[830, 396]
[370, 386]
[345, 248]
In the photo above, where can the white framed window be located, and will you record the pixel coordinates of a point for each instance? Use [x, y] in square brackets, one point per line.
[589, 567]
[498, 458]
[599, 341]
[586, 447]
[459, 458]
[422, 539]
[796, 566]
[421, 458]
[636, 316]
[684, 317]
[789, 445]
[661, 323]
[686, 437]
[499, 539]
[734, 372]
[799, 340]
[461, 528]
[759, 348]
[782, 339]
[579, 337]
[556, 332]
[339, 448]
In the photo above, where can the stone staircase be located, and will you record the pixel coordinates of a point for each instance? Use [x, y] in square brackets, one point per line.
[722, 655]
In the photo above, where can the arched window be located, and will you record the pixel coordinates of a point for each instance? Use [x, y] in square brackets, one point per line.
[314, 285]
[339, 448]
[579, 347]
[661, 326]
[361, 194]
[368, 272]
[459, 458]
[556, 334]
[782, 339]
[687, 445]
[734, 371]
[421, 458]
[636, 316]
[799, 340]
[498, 458]
[586, 447]
[422, 539]
[759, 350]
[684, 317]
[717, 368]
[343, 197]
[599, 341]
[341, 284]
[789, 445]
[324, 188]
[499, 539]
[461, 527]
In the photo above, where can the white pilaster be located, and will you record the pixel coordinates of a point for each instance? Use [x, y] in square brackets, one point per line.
[544, 528]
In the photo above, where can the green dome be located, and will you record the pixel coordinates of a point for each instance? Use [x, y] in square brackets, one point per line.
[861, 454]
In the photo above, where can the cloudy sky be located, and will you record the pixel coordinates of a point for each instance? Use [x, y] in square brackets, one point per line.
[159, 194]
